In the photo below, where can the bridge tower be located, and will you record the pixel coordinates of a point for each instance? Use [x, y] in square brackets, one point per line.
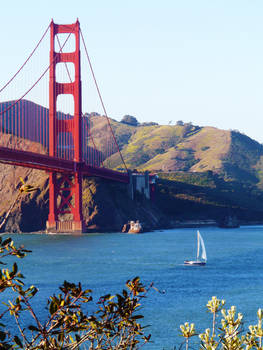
[65, 190]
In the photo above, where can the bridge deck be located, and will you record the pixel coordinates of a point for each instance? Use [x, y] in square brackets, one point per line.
[47, 163]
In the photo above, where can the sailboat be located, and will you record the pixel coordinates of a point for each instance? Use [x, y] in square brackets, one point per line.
[201, 257]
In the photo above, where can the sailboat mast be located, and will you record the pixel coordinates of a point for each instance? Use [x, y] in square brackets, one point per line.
[198, 244]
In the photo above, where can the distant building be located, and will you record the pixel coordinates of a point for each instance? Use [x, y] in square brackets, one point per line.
[143, 183]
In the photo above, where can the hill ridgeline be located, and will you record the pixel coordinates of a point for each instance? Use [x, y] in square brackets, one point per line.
[204, 174]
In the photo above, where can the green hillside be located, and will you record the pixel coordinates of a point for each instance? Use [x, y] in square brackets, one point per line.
[204, 174]
[205, 195]
[186, 147]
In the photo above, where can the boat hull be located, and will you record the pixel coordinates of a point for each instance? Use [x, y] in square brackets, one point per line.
[194, 263]
[135, 231]
[132, 227]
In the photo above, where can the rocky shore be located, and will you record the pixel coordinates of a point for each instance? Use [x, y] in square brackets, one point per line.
[107, 206]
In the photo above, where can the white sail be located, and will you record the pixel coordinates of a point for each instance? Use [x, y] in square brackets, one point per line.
[200, 241]
[200, 258]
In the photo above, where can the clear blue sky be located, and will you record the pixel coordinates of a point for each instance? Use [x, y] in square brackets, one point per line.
[199, 61]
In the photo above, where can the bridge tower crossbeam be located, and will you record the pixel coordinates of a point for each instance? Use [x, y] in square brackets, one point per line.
[65, 190]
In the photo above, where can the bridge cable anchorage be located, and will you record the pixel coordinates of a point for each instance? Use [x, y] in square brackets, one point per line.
[37, 81]
[101, 100]
[23, 65]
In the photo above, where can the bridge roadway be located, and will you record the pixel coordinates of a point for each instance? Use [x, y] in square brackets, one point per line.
[47, 163]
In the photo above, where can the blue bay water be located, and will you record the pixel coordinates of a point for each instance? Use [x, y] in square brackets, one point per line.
[103, 262]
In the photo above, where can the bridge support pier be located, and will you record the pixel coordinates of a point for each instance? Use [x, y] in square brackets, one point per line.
[75, 227]
[65, 203]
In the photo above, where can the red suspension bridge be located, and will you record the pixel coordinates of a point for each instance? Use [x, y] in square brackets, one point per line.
[61, 143]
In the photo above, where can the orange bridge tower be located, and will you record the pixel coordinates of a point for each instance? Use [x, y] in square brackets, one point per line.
[65, 190]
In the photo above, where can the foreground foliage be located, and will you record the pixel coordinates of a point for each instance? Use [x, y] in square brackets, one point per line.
[229, 335]
[113, 325]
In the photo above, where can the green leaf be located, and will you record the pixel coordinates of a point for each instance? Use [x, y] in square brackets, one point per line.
[7, 241]
[77, 337]
[27, 251]
[61, 336]
[2, 336]
[106, 297]
[15, 268]
[53, 307]
[136, 317]
[18, 341]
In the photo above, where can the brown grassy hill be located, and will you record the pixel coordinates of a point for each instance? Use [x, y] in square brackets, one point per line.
[30, 210]
[142, 143]
[106, 205]
[200, 152]
[205, 172]
[180, 147]
[191, 148]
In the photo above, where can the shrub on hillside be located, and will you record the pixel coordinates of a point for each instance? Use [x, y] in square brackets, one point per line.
[149, 124]
[130, 120]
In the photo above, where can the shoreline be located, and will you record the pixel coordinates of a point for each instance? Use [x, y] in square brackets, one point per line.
[175, 225]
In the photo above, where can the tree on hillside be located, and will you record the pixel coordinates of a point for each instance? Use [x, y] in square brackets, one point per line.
[130, 120]
[179, 123]
[149, 124]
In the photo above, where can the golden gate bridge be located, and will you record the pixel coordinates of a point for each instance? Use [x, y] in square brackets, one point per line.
[60, 143]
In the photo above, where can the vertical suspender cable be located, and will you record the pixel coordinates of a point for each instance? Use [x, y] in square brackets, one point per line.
[100, 97]
[9, 107]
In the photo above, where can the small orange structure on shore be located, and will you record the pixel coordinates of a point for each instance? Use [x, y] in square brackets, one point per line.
[132, 227]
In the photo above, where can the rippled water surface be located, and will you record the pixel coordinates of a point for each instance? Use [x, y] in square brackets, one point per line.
[103, 262]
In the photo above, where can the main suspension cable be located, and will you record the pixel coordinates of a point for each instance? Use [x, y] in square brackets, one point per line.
[37, 81]
[100, 97]
[23, 65]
